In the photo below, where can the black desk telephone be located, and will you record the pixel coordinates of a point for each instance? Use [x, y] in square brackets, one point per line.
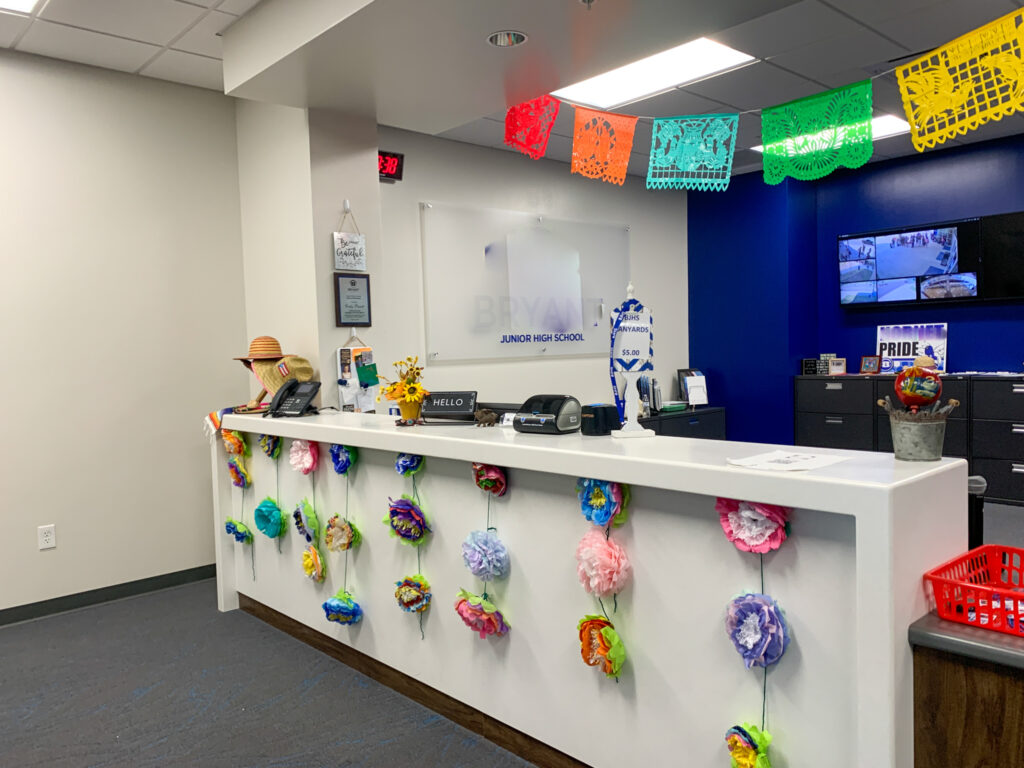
[294, 398]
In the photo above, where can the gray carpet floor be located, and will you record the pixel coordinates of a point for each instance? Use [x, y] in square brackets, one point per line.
[164, 679]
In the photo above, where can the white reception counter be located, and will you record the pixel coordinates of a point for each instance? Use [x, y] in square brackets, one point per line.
[848, 580]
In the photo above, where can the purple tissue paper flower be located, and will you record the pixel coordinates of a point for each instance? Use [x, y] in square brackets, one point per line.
[757, 629]
[485, 555]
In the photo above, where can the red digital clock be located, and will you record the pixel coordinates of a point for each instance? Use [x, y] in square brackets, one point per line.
[389, 165]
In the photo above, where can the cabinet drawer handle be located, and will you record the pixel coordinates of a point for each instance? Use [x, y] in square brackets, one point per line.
[1018, 389]
[1018, 429]
[833, 419]
[836, 385]
[695, 421]
[1018, 469]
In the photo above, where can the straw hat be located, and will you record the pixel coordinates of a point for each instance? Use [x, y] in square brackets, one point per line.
[273, 373]
[263, 348]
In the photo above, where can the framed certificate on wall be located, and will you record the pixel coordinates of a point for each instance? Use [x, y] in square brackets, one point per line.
[351, 300]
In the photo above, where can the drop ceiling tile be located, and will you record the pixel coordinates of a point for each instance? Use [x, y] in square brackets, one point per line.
[873, 11]
[204, 37]
[484, 131]
[786, 29]
[564, 123]
[943, 22]
[559, 148]
[71, 44]
[826, 57]
[11, 25]
[237, 7]
[674, 103]
[1008, 126]
[748, 134]
[638, 163]
[894, 146]
[885, 94]
[187, 68]
[754, 87]
[150, 21]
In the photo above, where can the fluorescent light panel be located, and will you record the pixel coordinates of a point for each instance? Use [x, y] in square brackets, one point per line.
[655, 74]
[23, 6]
[882, 127]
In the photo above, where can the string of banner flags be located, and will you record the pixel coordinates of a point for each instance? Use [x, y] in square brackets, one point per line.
[974, 79]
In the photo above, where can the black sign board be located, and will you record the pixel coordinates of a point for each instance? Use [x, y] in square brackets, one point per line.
[449, 405]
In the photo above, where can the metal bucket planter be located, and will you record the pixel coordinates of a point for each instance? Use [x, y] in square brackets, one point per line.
[917, 436]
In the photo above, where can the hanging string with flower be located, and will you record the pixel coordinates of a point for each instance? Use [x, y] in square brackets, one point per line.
[486, 558]
[407, 390]
[604, 570]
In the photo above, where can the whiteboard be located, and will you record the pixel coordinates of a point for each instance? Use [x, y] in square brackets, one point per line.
[508, 284]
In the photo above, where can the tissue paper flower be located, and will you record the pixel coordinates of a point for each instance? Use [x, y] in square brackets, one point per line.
[757, 629]
[270, 520]
[342, 608]
[234, 443]
[753, 527]
[407, 521]
[490, 478]
[485, 555]
[413, 593]
[603, 502]
[313, 563]
[271, 445]
[408, 464]
[602, 564]
[341, 534]
[306, 522]
[600, 644]
[239, 474]
[241, 533]
[343, 457]
[748, 746]
[304, 456]
[480, 615]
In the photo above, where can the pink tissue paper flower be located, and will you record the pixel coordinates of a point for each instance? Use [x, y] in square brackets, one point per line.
[602, 564]
[753, 527]
[304, 456]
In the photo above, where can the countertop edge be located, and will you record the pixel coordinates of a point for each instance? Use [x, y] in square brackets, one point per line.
[970, 642]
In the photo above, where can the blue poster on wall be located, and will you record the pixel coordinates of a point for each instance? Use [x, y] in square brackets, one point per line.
[898, 345]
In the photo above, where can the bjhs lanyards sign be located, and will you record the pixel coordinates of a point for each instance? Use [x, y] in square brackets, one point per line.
[632, 347]
[898, 345]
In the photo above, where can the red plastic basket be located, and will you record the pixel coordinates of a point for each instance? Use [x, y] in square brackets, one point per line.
[982, 588]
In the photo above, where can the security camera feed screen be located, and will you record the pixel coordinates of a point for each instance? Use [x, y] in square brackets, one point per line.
[916, 265]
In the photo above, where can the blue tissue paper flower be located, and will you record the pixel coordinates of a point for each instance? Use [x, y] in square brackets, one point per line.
[343, 457]
[408, 464]
[342, 608]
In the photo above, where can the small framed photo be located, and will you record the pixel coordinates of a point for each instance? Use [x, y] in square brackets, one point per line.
[351, 300]
[871, 364]
[836, 366]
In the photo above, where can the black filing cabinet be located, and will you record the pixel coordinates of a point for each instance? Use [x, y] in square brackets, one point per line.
[835, 412]
[997, 439]
[987, 429]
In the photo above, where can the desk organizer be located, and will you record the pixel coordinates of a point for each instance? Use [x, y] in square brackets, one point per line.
[982, 588]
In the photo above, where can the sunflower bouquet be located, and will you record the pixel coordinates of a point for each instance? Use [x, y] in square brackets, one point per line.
[407, 390]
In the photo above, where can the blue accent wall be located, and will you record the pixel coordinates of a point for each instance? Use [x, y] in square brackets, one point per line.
[764, 277]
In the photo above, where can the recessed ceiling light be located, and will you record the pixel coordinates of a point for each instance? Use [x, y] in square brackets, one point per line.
[882, 127]
[506, 38]
[655, 74]
[24, 6]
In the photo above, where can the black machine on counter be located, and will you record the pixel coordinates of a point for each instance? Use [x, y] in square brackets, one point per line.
[548, 414]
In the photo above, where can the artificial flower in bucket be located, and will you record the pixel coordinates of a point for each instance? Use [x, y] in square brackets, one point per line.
[407, 390]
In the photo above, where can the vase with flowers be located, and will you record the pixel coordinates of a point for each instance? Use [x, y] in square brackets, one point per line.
[407, 390]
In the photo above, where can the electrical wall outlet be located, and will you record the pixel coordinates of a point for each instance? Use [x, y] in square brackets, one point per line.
[47, 536]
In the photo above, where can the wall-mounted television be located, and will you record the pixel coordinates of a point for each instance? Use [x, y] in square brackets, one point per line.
[954, 261]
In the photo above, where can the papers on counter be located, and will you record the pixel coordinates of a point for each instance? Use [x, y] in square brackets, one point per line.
[786, 461]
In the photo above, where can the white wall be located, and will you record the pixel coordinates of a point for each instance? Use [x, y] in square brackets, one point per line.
[277, 227]
[121, 306]
[438, 170]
